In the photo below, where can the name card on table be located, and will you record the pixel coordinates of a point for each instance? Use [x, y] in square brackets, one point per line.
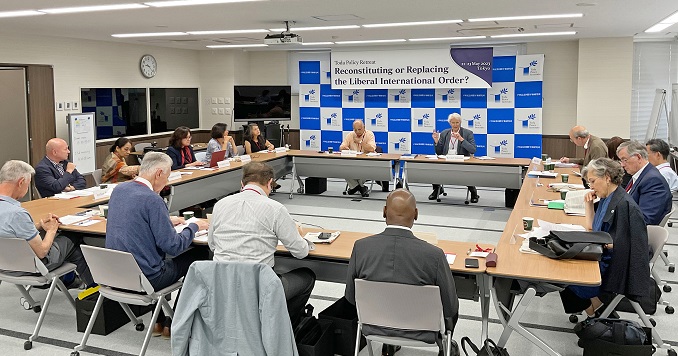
[245, 158]
[280, 149]
[349, 153]
[222, 164]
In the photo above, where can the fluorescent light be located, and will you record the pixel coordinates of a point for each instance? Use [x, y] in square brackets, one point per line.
[446, 38]
[531, 17]
[370, 41]
[21, 13]
[149, 34]
[319, 28]
[226, 32]
[316, 43]
[70, 10]
[238, 46]
[536, 34]
[664, 24]
[658, 27]
[418, 23]
[191, 2]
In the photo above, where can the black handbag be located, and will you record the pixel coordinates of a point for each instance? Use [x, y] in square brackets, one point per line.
[489, 348]
[579, 245]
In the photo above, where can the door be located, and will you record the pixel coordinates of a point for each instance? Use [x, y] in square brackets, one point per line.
[14, 117]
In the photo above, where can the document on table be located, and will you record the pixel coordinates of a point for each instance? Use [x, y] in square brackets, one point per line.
[565, 165]
[545, 228]
[545, 174]
[313, 237]
[559, 186]
[72, 219]
[574, 202]
[87, 222]
[450, 258]
[179, 228]
[485, 158]
[373, 154]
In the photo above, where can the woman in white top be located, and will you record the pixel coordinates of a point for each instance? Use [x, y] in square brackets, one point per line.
[220, 141]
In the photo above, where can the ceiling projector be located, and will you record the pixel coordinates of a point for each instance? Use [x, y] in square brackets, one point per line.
[282, 39]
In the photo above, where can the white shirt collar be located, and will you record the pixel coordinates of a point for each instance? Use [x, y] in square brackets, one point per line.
[255, 188]
[145, 181]
[399, 227]
[635, 176]
[662, 165]
[586, 145]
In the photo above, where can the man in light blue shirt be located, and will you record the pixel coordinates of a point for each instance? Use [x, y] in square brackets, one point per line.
[658, 153]
[16, 222]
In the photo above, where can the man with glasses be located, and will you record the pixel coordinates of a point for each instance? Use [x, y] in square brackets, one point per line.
[594, 147]
[647, 186]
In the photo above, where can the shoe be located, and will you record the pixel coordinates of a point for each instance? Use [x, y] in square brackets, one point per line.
[474, 199]
[353, 190]
[399, 185]
[166, 333]
[76, 283]
[157, 329]
[276, 186]
[435, 194]
[364, 191]
[389, 350]
[384, 186]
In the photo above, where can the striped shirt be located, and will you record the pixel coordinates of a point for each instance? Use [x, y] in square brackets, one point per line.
[246, 227]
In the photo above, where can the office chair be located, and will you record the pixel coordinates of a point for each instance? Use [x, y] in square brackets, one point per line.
[120, 279]
[139, 147]
[657, 237]
[200, 156]
[665, 253]
[400, 306]
[96, 175]
[240, 150]
[17, 256]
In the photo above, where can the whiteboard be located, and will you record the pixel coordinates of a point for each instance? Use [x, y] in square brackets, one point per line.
[82, 136]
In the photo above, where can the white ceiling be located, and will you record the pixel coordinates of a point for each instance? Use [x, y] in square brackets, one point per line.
[606, 18]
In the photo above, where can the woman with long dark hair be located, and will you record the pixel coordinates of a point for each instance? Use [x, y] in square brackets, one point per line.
[115, 169]
[180, 149]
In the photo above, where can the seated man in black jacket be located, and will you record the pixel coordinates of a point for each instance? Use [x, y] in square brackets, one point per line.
[375, 258]
[55, 174]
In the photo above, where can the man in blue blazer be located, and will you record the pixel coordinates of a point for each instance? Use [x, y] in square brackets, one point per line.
[455, 140]
[55, 174]
[647, 186]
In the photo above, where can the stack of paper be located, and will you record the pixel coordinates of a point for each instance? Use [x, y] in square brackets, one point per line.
[565, 165]
[485, 158]
[545, 174]
[313, 237]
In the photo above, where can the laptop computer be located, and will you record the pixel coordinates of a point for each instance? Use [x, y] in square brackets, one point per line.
[217, 157]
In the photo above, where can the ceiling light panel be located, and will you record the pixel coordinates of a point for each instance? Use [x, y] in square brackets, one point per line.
[567, 33]
[447, 38]
[192, 2]
[531, 17]
[371, 41]
[418, 23]
[237, 46]
[71, 10]
[149, 34]
[226, 32]
[317, 28]
[22, 13]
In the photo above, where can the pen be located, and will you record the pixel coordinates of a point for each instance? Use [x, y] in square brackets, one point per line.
[468, 252]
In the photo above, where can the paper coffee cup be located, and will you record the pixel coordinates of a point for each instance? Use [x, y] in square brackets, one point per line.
[563, 193]
[565, 177]
[188, 215]
[544, 156]
[209, 218]
[527, 223]
[103, 210]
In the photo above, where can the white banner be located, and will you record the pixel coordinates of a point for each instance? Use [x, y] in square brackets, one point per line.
[427, 68]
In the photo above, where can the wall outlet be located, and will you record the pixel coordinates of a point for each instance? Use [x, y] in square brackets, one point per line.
[214, 100]
[220, 100]
[221, 111]
[214, 111]
[227, 100]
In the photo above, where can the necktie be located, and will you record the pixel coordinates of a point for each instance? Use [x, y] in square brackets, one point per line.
[60, 168]
[628, 187]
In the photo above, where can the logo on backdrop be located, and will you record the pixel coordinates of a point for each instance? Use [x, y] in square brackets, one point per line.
[311, 96]
[312, 141]
[502, 97]
[425, 121]
[476, 122]
[530, 122]
[448, 97]
[354, 97]
[378, 120]
[502, 148]
[400, 96]
[401, 144]
[531, 69]
[333, 120]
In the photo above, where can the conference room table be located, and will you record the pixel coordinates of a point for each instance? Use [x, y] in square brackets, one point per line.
[538, 272]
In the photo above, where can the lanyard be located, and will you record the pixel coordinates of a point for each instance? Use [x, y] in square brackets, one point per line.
[254, 190]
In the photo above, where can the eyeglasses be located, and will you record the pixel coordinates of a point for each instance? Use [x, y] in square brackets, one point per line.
[624, 160]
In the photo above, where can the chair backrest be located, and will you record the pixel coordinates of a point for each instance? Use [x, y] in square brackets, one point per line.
[200, 156]
[139, 147]
[667, 216]
[16, 255]
[96, 175]
[115, 269]
[656, 238]
[400, 306]
[240, 150]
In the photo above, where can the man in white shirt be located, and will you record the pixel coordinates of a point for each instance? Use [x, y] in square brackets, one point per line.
[247, 226]
[658, 153]
[361, 140]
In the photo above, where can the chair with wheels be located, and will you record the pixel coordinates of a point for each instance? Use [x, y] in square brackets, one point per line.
[657, 237]
[200, 156]
[400, 306]
[139, 147]
[17, 256]
[120, 279]
[665, 253]
[240, 150]
[96, 175]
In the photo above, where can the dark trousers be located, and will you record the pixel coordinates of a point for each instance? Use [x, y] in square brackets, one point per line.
[64, 250]
[176, 268]
[297, 285]
[471, 188]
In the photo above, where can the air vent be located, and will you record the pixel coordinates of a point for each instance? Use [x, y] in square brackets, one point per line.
[236, 40]
[344, 17]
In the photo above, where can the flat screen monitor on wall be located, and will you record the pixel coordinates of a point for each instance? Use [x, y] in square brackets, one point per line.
[262, 103]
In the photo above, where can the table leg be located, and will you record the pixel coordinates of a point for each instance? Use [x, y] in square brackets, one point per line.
[294, 176]
[484, 284]
[514, 324]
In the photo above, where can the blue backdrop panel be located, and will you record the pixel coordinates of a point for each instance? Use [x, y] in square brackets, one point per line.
[506, 119]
